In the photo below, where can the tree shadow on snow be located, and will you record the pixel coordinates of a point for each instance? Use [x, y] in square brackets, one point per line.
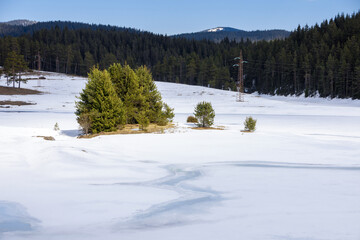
[71, 132]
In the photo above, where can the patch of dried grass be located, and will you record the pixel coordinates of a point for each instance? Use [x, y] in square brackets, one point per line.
[134, 129]
[48, 138]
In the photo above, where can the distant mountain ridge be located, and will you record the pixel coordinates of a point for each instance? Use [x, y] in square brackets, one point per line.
[218, 34]
[19, 22]
[17, 28]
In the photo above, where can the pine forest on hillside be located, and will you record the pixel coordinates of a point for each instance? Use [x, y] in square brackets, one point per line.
[237, 35]
[322, 59]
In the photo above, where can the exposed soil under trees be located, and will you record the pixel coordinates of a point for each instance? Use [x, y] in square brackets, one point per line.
[17, 91]
[15, 103]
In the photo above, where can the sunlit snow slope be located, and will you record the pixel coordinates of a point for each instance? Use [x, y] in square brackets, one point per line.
[296, 177]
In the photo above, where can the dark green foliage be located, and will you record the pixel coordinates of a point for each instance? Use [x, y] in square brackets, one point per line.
[89, 61]
[191, 119]
[142, 120]
[166, 115]
[107, 60]
[127, 87]
[14, 65]
[205, 114]
[153, 102]
[140, 96]
[250, 124]
[99, 108]
[313, 60]
[237, 35]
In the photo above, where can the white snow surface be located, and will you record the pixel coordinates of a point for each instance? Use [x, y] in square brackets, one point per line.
[297, 177]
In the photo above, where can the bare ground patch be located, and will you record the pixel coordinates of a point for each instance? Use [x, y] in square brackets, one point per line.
[48, 138]
[17, 91]
[15, 103]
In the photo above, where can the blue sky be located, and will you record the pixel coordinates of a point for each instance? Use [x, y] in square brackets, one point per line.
[179, 16]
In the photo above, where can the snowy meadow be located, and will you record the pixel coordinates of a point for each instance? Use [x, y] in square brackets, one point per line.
[296, 177]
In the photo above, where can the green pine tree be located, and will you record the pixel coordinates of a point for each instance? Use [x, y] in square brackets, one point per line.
[89, 61]
[127, 87]
[14, 65]
[99, 105]
[250, 124]
[153, 103]
[205, 114]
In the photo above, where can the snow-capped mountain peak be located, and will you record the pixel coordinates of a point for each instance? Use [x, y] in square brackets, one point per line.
[221, 29]
[215, 29]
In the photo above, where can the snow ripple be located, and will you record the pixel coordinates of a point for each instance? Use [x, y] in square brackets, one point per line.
[186, 209]
[261, 164]
[194, 201]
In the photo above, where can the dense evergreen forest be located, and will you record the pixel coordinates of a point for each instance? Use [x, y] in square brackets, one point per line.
[20, 27]
[323, 59]
[237, 35]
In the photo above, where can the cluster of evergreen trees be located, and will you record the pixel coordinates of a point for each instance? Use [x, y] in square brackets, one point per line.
[320, 59]
[14, 66]
[119, 96]
[237, 35]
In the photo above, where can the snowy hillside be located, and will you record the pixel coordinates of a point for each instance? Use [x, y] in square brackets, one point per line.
[219, 29]
[20, 22]
[296, 177]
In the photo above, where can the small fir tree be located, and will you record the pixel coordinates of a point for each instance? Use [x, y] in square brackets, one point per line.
[56, 127]
[205, 114]
[250, 124]
[167, 115]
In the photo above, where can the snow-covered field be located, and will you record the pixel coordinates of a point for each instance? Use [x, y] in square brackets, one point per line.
[296, 178]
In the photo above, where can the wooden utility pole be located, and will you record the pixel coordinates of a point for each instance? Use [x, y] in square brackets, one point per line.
[240, 85]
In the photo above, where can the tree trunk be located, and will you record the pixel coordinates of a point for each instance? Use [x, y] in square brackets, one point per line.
[295, 81]
[57, 64]
[13, 78]
[19, 80]
[39, 61]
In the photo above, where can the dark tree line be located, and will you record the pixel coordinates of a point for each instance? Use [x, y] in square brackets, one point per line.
[16, 30]
[323, 59]
[237, 35]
